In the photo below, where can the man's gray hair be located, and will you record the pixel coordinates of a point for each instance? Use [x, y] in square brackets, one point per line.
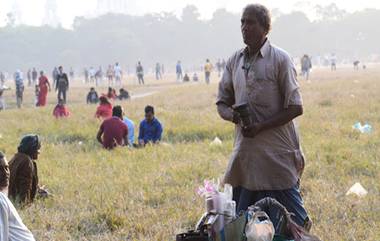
[261, 13]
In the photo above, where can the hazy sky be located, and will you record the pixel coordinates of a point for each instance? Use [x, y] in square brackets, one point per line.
[32, 11]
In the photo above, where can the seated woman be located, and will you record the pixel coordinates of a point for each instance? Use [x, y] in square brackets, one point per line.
[23, 182]
[11, 226]
[104, 109]
[61, 110]
[111, 94]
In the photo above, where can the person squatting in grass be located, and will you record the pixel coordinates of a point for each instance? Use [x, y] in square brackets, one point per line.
[113, 131]
[11, 226]
[150, 130]
[61, 110]
[23, 182]
[267, 160]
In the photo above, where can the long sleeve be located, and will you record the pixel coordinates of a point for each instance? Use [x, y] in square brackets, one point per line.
[25, 177]
[4, 221]
[141, 131]
[158, 134]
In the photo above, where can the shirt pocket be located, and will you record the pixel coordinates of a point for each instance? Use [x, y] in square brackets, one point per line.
[262, 89]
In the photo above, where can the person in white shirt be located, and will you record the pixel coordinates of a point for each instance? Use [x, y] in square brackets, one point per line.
[11, 226]
[118, 74]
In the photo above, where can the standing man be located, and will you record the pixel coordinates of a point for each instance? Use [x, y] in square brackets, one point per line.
[208, 69]
[62, 85]
[267, 160]
[158, 71]
[333, 62]
[178, 70]
[55, 75]
[306, 66]
[19, 81]
[29, 76]
[140, 73]
[118, 74]
[34, 76]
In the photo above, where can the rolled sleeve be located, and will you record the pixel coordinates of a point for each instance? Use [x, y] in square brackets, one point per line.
[289, 86]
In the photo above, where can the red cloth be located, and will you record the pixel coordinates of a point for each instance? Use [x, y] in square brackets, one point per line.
[114, 131]
[43, 85]
[104, 111]
[61, 111]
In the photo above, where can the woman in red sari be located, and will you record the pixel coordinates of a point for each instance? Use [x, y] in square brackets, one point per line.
[44, 86]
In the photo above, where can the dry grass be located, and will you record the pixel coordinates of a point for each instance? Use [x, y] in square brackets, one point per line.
[149, 194]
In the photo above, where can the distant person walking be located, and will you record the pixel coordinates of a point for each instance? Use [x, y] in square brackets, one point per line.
[356, 64]
[55, 75]
[118, 74]
[333, 62]
[44, 87]
[158, 71]
[208, 68]
[140, 73]
[19, 81]
[34, 76]
[306, 66]
[2, 78]
[62, 85]
[178, 70]
[110, 75]
[29, 76]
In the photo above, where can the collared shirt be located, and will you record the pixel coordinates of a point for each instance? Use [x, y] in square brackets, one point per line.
[11, 226]
[150, 132]
[131, 130]
[273, 159]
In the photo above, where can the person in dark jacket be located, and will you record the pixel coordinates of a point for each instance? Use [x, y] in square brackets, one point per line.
[92, 96]
[23, 181]
[62, 84]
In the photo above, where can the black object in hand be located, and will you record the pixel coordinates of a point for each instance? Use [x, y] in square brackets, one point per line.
[244, 114]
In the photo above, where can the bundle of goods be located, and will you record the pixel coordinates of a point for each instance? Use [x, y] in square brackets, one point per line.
[220, 222]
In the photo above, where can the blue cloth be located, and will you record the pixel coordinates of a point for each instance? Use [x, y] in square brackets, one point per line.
[178, 68]
[150, 132]
[290, 198]
[131, 130]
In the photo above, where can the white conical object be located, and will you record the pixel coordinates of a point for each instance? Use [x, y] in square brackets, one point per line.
[216, 142]
[358, 190]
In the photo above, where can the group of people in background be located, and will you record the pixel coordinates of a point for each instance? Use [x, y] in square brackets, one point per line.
[118, 130]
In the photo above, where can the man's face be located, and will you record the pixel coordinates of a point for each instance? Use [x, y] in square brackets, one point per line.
[149, 116]
[35, 155]
[60, 69]
[253, 33]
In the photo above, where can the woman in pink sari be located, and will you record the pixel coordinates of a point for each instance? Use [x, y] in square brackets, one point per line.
[44, 86]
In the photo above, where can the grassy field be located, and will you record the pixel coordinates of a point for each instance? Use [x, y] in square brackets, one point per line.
[149, 194]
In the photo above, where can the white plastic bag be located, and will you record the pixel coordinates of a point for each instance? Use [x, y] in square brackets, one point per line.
[259, 228]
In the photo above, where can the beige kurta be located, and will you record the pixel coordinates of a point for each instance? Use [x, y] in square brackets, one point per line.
[272, 160]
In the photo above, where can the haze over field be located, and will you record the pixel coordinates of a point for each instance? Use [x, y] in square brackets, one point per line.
[85, 33]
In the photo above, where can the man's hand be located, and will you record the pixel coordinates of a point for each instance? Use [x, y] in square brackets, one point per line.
[235, 117]
[252, 130]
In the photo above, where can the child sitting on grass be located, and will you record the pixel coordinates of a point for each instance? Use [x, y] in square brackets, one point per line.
[61, 110]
